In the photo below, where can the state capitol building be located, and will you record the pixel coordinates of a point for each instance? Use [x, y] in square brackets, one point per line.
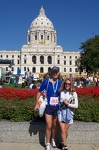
[41, 52]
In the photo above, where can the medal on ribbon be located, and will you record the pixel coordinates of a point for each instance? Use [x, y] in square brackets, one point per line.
[55, 88]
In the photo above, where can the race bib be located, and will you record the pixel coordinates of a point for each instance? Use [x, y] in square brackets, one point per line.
[54, 100]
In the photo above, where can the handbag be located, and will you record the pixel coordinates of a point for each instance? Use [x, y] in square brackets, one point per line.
[72, 100]
[42, 105]
[43, 101]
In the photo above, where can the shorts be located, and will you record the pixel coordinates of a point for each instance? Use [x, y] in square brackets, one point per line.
[51, 110]
[67, 121]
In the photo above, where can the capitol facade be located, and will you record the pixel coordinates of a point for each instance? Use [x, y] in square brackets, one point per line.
[41, 52]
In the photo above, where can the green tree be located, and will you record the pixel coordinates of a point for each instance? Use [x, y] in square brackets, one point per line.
[89, 56]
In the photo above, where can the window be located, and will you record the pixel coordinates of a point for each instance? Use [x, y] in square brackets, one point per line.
[41, 70]
[75, 63]
[18, 61]
[27, 68]
[49, 69]
[28, 38]
[65, 62]
[35, 36]
[75, 57]
[49, 59]
[6, 68]
[41, 37]
[58, 61]
[70, 62]
[33, 69]
[48, 37]
[1, 56]
[42, 59]
[54, 39]
[12, 69]
[12, 56]
[6, 56]
[24, 61]
[64, 56]
[70, 70]
[18, 56]
[64, 69]
[24, 68]
[12, 61]
[34, 59]
[70, 57]
[76, 69]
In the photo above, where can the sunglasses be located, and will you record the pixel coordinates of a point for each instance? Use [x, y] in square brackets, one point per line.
[67, 84]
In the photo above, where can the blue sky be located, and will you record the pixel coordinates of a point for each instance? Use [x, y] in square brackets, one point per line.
[75, 21]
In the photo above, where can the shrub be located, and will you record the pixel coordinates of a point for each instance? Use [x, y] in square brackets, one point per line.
[18, 105]
[88, 109]
[18, 110]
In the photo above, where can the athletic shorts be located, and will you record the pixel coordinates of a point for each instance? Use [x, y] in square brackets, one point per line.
[51, 110]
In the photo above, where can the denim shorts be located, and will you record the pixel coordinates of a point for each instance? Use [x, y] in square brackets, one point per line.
[60, 118]
[51, 110]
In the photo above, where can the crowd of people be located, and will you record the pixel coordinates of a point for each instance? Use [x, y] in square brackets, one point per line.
[86, 81]
[26, 81]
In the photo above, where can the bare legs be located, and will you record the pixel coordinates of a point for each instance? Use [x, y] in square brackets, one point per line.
[51, 127]
[64, 131]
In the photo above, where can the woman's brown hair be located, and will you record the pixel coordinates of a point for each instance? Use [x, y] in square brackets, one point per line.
[71, 86]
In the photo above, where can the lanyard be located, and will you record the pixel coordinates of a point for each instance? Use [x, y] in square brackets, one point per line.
[55, 87]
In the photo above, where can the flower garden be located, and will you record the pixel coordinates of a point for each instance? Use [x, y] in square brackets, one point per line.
[18, 104]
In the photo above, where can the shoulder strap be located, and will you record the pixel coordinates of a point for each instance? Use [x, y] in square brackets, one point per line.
[46, 86]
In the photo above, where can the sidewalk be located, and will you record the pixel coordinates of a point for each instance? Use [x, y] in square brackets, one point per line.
[30, 146]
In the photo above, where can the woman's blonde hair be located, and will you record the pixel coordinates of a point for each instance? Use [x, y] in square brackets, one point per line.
[71, 86]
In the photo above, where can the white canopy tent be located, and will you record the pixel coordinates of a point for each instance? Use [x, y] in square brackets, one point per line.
[19, 73]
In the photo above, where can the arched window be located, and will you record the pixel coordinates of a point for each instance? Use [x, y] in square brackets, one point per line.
[12, 69]
[41, 70]
[49, 59]
[64, 69]
[6, 68]
[24, 68]
[35, 36]
[48, 37]
[24, 61]
[42, 59]
[41, 37]
[64, 62]
[34, 59]
[70, 70]
[58, 61]
[54, 39]
[49, 69]
[70, 62]
[33, 69]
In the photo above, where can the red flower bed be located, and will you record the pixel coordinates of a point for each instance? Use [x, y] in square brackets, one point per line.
[88, 91]
[11, 94]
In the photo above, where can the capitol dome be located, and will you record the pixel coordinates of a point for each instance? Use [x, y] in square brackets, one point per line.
[41, 21]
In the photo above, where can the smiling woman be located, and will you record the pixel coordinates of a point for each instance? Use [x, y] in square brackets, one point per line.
[66, 111]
